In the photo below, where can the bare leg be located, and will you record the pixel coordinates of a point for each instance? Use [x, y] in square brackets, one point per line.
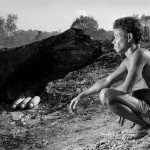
[126, 112]
[124, 105]
[141, 127]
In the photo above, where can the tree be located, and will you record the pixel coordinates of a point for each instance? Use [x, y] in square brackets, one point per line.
[8, 29]
[110, 35]
[146, 33]
[38, 36]
[2, 31]
[86, 23]
[136, 16]
[145, 20]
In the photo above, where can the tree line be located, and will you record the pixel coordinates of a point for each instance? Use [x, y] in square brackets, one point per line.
[91, 28]
[10, 36]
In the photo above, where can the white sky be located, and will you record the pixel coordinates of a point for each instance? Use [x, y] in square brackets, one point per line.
[52, 15]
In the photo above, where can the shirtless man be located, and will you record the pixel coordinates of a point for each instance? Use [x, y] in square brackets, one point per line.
[125, 102]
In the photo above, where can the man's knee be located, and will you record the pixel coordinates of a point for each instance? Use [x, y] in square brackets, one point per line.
[105, 96]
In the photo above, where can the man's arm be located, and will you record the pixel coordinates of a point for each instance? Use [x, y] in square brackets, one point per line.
[100, 84]
[135, 70]
[106, 82]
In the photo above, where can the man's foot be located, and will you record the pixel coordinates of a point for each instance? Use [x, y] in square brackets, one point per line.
[137, 132]
[23, 102]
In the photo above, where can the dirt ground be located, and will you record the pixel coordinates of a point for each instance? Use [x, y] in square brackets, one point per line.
[93, 128]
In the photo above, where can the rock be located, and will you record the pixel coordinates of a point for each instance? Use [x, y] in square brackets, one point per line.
[16, 115]
[27, 69]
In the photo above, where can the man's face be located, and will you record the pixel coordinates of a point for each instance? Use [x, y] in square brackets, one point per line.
[121, 41]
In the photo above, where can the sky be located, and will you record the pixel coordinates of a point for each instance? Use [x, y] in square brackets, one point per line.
[55, 15]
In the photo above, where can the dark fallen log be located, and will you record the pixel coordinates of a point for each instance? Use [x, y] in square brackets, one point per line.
[26, 69]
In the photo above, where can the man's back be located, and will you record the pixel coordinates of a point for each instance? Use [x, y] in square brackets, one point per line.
[144, 61]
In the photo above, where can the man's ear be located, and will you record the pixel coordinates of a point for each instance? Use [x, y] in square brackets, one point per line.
[130, 37]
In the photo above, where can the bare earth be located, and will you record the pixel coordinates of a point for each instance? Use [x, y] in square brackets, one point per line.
[93, 128]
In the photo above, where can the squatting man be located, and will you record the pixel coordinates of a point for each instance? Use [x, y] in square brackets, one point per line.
[127, 103]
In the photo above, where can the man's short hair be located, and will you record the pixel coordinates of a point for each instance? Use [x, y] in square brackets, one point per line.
[130, 25]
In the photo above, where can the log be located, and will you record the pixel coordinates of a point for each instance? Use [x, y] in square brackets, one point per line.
[26, 70]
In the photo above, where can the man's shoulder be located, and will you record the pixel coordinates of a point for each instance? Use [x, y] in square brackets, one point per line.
[143, 52]
[142, 49]
[142, 55]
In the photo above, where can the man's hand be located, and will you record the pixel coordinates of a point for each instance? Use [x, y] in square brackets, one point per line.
[73, 104]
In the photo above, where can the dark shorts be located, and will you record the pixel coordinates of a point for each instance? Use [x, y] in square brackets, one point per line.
[143, 110]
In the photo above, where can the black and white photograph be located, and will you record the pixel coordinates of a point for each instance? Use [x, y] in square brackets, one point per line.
[74, 74]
